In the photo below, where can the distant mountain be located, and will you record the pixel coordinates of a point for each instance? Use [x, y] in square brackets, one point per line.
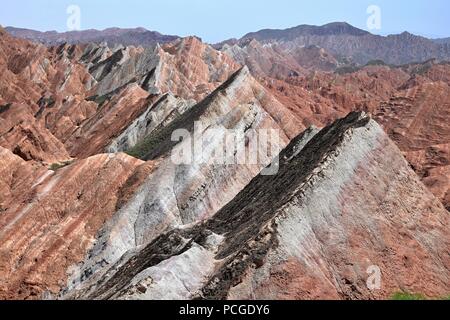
[331, 29]
[343, 40]
[272, 61]
[135, 37]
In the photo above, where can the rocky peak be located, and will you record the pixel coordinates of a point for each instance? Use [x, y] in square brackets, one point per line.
[279, 237]
[339, 28]
[113, 36]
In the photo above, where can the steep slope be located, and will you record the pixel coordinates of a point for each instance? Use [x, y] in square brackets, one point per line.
[110, 119]
[201, 68]
[263, 60]
[410, 102]
[182, 194]
[149, 226]
[26, 137]
[344, 200]
[343, 40]
[417, 120]
[113, 36]
[49, 219]
[77, 100]
[131, 84]
[34, 80]
[160, 114]
[315, 58]
[271, 60]
[112, 193]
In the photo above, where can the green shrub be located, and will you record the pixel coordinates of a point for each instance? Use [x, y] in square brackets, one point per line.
[347, 69]
[377, 62]
[59, 165]
[408, 296]
[414, 296]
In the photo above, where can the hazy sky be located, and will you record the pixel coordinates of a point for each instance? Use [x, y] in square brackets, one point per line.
[216, 20]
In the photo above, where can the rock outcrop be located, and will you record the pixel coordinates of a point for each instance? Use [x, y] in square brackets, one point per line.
[160, 114]
[344, 201]
[264, 60]
[81, 98]
[49, 218]
[417, 120]
[274, 61]
[410, 102]
[130, 172]
[176, 195]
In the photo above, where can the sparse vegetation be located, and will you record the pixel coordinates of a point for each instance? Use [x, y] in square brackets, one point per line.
[408, 296]
[159, 141]
[376, 63]
[100, 100]
[422, 69]
[347, 69]
[414, 296]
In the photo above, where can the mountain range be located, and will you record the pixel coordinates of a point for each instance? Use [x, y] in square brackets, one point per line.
[113, 36]
[93, 205]
[339, 38]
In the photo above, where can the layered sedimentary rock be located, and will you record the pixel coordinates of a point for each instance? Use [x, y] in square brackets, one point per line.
[160, 114]
[315, 58]
[263, 60]
[110, 118]
[417, 120]
[272, 60]
[149, 226]
[187, 67]
[344, 201]
[80, 98]
[178, 194]
[410, 102]
[36, 86]
[28, 138]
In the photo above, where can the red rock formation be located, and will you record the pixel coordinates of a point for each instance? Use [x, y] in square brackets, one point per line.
[81, 97]
[35, 80]
[199, 68]
[29, 139]
[110, 119]
[345, 202]
[417, 120]
[62, 107]
[264, 60]
[411, 103]
[314, 58]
